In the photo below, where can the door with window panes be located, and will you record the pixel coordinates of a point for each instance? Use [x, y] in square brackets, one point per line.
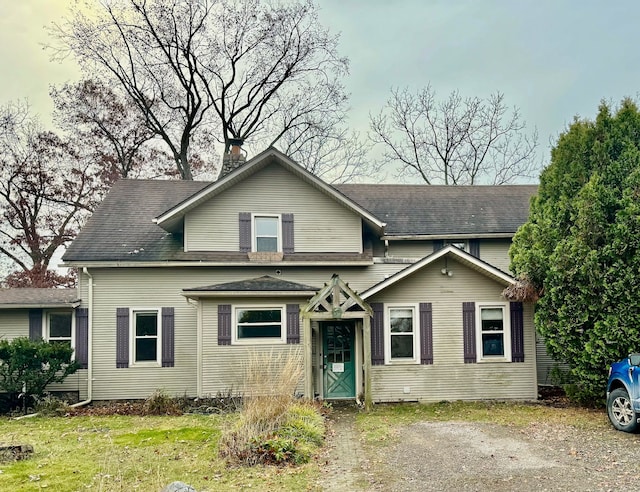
[338, 375]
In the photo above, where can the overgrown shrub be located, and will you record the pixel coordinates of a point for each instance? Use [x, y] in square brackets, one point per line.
[160, 403]
[50, 406]
[274, 426]
[27, 367]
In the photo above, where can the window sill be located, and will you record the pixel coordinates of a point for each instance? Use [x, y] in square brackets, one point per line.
[154, 363]
[401, 362]
[259, 341]
[501, 360]
[265, 256]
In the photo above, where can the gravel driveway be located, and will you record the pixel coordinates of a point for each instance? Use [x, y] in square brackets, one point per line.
[466, 456]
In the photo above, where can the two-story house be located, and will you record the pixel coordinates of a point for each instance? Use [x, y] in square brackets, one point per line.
[393, 292]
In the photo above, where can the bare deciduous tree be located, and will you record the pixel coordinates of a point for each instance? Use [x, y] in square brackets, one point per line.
[109, 131]
[334, 154]
[455, 141]
[46, 192]
[241, 69]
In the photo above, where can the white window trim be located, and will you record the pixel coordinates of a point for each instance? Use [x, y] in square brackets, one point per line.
[47, 328]
[254, 238]
[387, 334]
[506, 324]
[259, 341]
[132, 337]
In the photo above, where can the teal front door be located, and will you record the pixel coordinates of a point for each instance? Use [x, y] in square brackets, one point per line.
[339, 375]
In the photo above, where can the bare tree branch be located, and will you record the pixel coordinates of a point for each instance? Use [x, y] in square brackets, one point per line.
[456, 141]
[239, 69]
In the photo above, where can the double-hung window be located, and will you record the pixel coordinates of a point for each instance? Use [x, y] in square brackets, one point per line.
[60, 328]
[259, 325]
[494, 337]
[266, 233]
[402, 334]
[146, 336]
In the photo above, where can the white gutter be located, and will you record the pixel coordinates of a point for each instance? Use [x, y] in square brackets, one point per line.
[201, 263]
[89, 344]
[431, 237]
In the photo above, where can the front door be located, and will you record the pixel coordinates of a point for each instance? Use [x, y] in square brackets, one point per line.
[339, 375]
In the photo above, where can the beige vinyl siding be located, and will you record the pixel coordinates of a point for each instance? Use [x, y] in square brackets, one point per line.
[138, 288]
[546, 364]
[449, 378]
[14, 323]
[320, 223]
[162, 287]
[496, 252]
[410, 249]
[224, 366]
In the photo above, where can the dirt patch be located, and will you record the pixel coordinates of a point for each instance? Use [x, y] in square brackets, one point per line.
[475, 456]
[463, 456]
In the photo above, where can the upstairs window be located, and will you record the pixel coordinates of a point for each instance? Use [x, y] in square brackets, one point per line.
[462, 244]
[266, 233]
[60, 328]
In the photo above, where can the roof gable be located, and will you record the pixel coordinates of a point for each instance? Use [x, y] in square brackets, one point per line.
[460, 255]
[171, 218]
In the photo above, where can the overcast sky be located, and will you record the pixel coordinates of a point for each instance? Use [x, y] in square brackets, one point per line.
[551, 58]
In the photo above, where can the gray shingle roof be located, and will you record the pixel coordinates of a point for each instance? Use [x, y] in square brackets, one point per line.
[122, 227]
[31, 297]
[444, 210]
[264, 283]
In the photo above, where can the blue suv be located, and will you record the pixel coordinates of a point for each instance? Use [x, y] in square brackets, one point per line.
[623, 393]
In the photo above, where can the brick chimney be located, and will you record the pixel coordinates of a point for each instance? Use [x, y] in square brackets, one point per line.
[233, 159]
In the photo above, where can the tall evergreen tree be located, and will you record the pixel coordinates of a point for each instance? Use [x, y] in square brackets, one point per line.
[580, 249]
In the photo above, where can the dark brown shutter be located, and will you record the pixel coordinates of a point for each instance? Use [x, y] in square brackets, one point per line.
[474, 247]
[122, 337]
[245, 232]
[287, 234]
[224, 324]
[438, 244]
[469, 331]
[377, 334]
[517, 332]
[293, 323]
[168, 337]
[426, 333]
[82, 337]
[35, 324]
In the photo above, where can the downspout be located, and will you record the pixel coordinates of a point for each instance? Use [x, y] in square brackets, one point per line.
[89, 343]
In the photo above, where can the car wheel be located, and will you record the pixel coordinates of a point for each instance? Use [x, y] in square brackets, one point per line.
[620, 410]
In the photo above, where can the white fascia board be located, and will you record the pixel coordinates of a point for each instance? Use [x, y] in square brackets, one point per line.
[463, 256]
